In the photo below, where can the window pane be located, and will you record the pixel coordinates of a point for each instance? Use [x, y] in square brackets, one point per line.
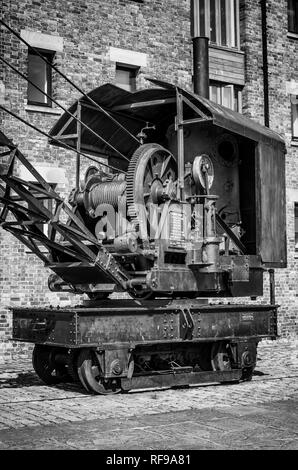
[236, 23]
[293, 16]
[212, 21]
[295, 117]
[296, 225]
[37, 73]
[227, 100]
[213, 93]
[195, 18]
[126, 78]
[202, 17]
[223, 22]
[237, 100]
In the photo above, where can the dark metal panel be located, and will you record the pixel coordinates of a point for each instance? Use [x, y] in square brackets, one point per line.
[74, 273]
[141, 326]
[248, 323]
[271, 209]
[129, 327]
[44, 326]
[179, 379]
[103, 327]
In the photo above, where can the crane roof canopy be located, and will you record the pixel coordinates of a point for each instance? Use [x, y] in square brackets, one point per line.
[133, 110]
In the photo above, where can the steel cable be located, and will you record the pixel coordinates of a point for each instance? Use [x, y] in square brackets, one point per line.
[62, 107]
[57, 140]
[68, 80]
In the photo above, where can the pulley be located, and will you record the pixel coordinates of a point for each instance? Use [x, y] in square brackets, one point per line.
[203, 171]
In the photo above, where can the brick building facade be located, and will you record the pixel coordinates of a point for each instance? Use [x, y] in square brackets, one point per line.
[123, 41]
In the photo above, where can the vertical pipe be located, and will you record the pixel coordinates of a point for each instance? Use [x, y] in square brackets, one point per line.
[265, 63]
[201, 66]
[180, 142]
[272, 286]
[78, 161]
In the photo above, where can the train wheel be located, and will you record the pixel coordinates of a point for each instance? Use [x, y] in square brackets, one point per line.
[248, 360]
[247, 373]
[43, 360]
[220, 357]
[89, 373]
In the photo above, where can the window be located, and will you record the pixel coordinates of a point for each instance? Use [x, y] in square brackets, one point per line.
[294, 107]
[40, 73]
[293, 16]
[296, 226]
[126, 77]
[229, 96]
[218, 20]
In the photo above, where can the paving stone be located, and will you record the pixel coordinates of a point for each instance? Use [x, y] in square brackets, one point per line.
[205, 417]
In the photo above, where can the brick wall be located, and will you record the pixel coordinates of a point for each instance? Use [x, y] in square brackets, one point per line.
[283, 67]
[160, 29]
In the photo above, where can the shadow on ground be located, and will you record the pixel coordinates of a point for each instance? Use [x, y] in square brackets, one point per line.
[13, 379]
[17, 379]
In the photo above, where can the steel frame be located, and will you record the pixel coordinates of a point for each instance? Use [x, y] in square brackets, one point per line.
[28, 211]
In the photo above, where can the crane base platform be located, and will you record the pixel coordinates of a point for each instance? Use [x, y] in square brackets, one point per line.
[124, 345]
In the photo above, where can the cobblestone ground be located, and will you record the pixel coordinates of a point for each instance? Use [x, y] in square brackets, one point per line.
[257, 414]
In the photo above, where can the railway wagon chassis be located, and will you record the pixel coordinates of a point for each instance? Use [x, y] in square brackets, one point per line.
[124, 345]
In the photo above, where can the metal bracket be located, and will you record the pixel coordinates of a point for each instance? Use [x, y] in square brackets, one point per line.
[186, 324]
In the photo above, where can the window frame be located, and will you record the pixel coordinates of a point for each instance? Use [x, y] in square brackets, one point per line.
[49, 55]
[294, 103]
[220, 86]
[127, 68]
[295, 217]
[232, 24]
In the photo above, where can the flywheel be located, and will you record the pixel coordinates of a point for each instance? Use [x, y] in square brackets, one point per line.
[151, 180]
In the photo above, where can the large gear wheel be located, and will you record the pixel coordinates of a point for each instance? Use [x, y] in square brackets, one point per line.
[151, 176]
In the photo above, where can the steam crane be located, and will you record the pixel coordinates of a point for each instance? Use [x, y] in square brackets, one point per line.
[184, 201]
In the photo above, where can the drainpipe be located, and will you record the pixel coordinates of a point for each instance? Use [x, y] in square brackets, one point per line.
[265, 62]
[201, 66]
[272, 286]
[200, 53]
